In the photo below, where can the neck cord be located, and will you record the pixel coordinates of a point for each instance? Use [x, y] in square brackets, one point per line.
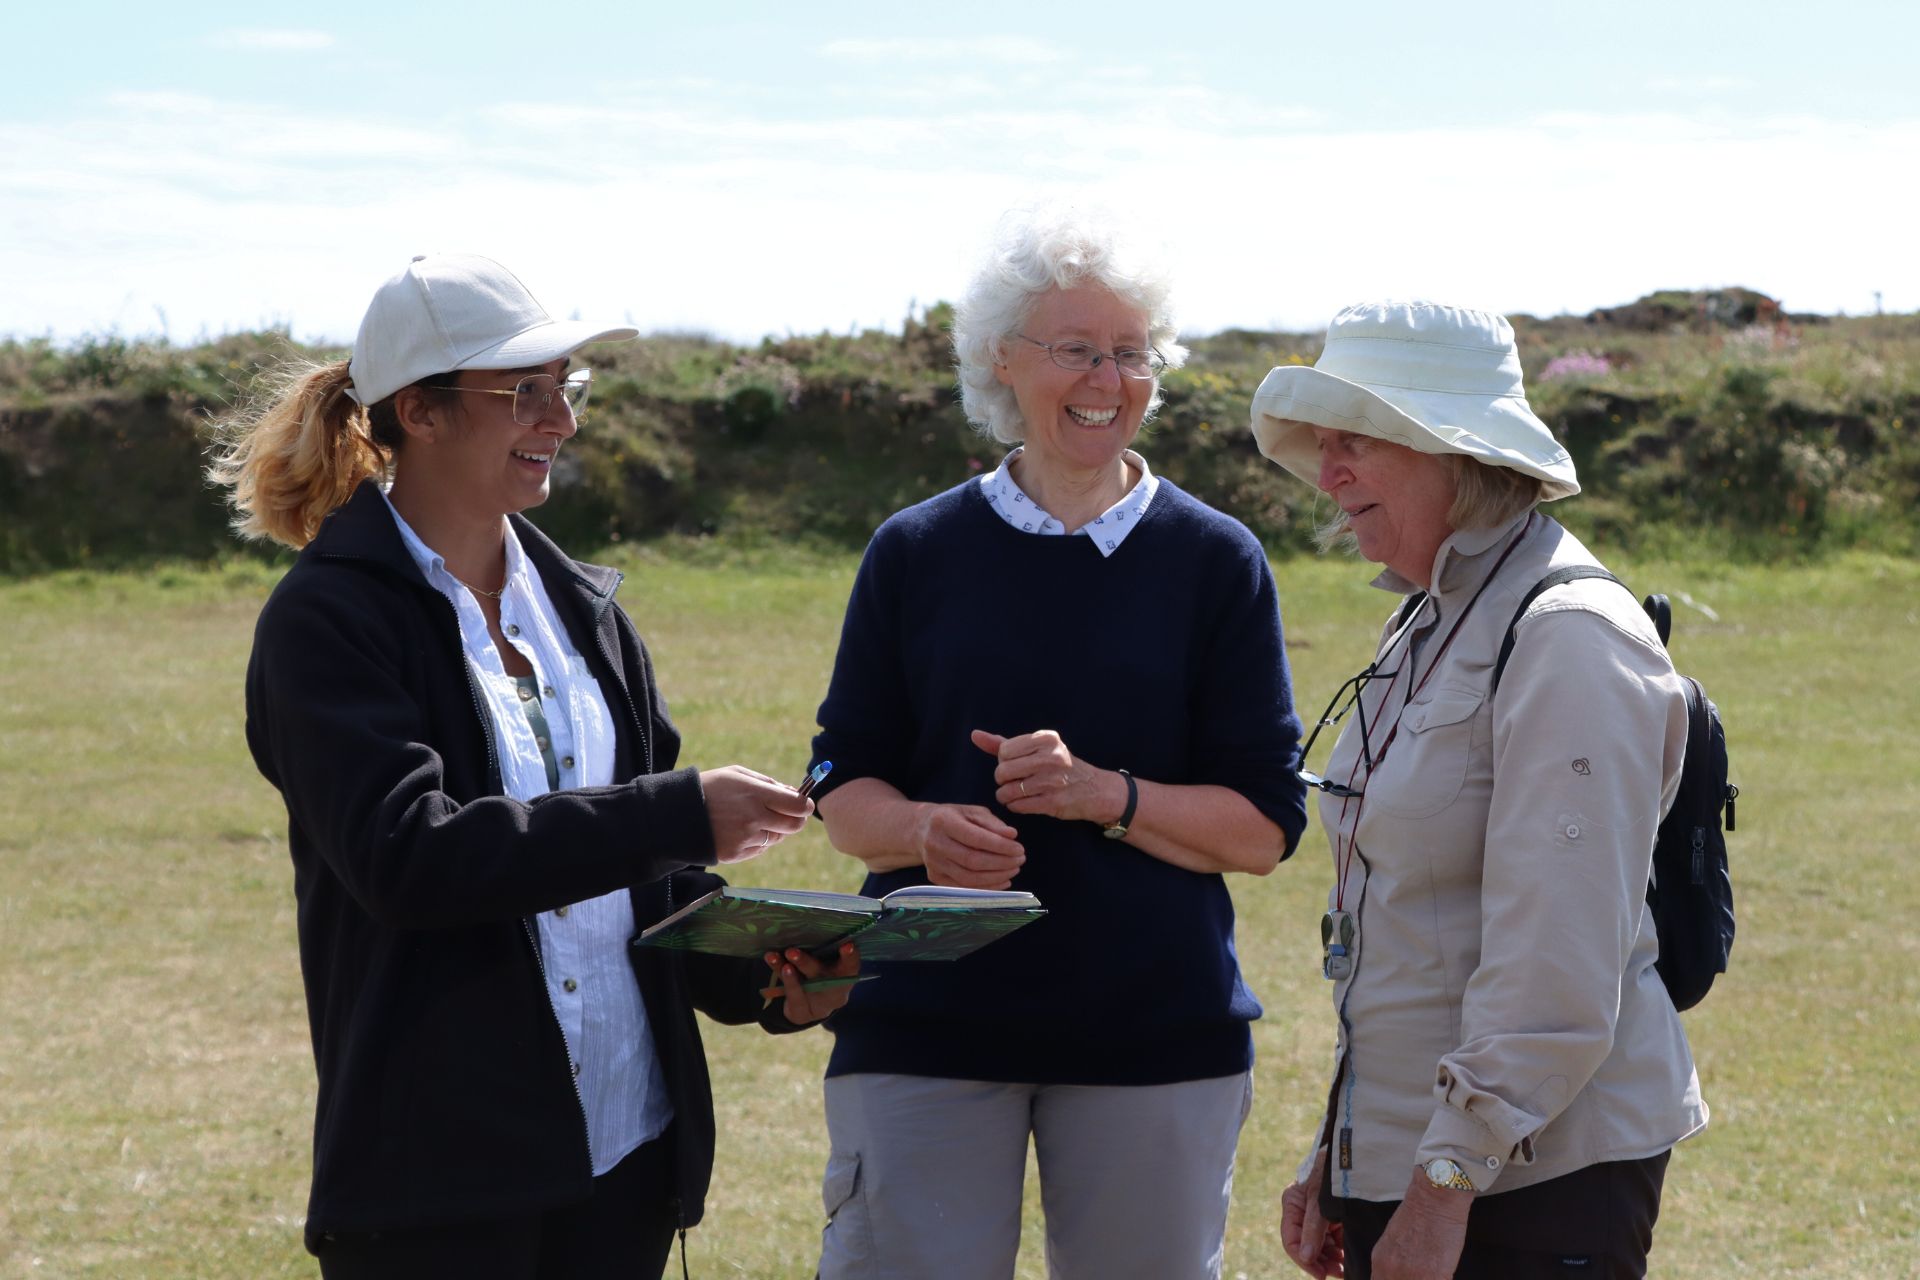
[1346, 846]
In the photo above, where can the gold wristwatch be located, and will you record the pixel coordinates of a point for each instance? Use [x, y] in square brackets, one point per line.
[1118, 830]
[1442, 1172]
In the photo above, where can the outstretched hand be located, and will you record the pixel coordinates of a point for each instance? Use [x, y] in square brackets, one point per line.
[749, 812]
[1037, 774]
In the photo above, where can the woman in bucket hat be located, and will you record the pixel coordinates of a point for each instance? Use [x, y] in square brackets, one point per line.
[483, 808]
[1511, 1073]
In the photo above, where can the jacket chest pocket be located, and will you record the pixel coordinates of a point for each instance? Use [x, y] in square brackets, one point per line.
[1430, 757]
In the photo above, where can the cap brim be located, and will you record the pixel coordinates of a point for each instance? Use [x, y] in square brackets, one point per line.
[1294, 399]
[544, 343]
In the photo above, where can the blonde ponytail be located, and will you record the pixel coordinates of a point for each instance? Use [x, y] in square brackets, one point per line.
[297, 453]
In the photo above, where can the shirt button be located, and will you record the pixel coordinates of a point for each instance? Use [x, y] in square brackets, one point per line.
[541, 743]
[570, 985]
[1493, 1162]
[562, 911]
[1573, 832]
[576, 1071]
[526, 694]
[566, 762]
[512, 629]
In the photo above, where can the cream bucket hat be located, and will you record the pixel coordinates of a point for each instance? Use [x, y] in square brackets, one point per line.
[1433, 378]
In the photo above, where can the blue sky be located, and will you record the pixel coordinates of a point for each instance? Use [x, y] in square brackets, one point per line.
[747, 169]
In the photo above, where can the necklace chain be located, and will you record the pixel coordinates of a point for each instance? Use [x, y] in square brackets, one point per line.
[491, 595]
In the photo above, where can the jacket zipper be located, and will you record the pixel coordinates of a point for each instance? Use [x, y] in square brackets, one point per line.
[499, 788]
[605, 602]
[626, 694]
[526, 922]
[580, 1099]
[676, 1201]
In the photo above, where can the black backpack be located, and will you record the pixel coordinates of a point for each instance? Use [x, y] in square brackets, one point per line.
[1691, 891]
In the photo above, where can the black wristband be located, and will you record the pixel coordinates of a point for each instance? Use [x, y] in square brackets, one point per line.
[1115, 830]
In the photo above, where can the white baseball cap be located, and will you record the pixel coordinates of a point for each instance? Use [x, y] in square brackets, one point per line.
[1433, 378]
[451, 311]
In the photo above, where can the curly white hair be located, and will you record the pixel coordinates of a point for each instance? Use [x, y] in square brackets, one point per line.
[1038, 248]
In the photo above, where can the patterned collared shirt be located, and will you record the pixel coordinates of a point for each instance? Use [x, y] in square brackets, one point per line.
[1108, 529]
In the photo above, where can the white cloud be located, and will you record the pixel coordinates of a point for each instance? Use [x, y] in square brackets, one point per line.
[704, 212]
[1015, 50]
[272, 39]
[1698, 86]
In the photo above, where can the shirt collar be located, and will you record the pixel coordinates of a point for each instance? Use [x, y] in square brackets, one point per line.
[1108, 529]
[1460, 562]
[433, 565]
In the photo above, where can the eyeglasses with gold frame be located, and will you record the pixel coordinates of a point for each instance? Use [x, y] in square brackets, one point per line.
[533, 395]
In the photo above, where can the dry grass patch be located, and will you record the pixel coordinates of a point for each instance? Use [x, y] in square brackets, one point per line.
[155, 1080]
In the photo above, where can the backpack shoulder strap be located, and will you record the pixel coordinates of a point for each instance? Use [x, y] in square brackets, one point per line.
[1559, 577]
[1660, 609]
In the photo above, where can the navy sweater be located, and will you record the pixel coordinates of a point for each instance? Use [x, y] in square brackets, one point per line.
[1165, 659]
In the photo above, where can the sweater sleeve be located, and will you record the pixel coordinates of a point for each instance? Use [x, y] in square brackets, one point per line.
[1248, 733]
[866, 727]
[335, 726]
[1583, 768]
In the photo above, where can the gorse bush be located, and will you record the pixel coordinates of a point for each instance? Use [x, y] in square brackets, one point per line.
[1742, 432]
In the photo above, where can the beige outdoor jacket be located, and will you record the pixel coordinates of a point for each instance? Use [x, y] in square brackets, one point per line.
[1504, 1009]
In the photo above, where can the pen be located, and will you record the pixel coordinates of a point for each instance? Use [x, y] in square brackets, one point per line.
[819, 984]
[812, 779]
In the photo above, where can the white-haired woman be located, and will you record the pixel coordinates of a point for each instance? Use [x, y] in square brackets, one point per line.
[482, 808]
[1066, 676]
[1511, 1074]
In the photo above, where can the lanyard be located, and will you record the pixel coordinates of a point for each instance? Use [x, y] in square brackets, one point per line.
[1347, 845]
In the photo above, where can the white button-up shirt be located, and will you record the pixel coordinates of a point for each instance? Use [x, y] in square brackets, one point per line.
[583, 947]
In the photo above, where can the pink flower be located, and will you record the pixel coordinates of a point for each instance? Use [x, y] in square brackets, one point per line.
[1575, 364]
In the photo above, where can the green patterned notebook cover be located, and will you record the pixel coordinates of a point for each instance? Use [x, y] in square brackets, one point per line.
[927, 923]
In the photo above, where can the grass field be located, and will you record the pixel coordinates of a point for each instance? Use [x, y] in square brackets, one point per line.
[155, 1080]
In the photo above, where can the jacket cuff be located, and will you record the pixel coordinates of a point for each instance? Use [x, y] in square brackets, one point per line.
[1469, 1143]
[675, 817]
[774, 1020]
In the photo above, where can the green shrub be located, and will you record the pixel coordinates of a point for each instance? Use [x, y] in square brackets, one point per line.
[1764, 439]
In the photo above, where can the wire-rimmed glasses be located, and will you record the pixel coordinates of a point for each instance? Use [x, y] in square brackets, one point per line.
[533, 394]
[1330, 717]
[1132, 362]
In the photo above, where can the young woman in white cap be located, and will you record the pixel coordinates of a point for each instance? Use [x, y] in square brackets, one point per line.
[1511, 1072]
[483, 809]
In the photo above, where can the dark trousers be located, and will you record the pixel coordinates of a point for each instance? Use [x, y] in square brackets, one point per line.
[623, 1230]
[1595, 1223]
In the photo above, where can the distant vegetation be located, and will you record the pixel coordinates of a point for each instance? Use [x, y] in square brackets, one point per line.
[1696, 419]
